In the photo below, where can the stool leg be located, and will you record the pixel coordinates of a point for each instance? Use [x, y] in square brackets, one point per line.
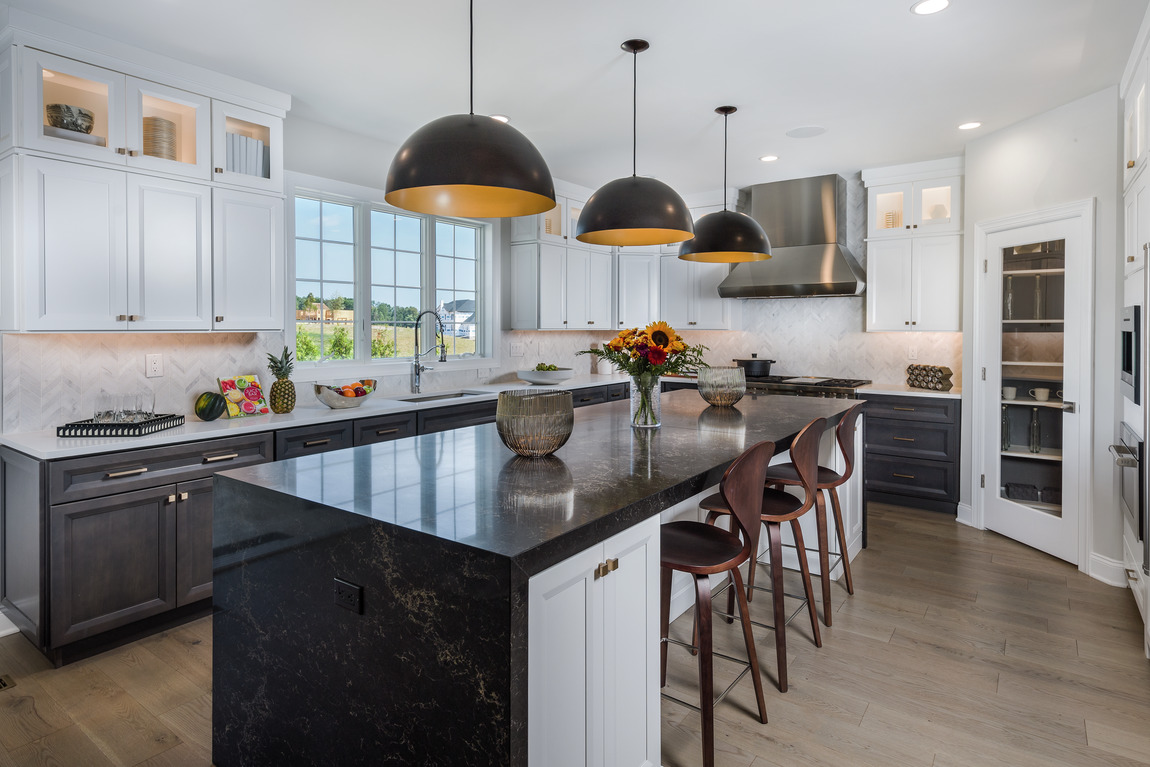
[775, 543]
[824, 554]
[838, 512]
[797, 530]
[664, 620]
[706, 670]
[749, 639]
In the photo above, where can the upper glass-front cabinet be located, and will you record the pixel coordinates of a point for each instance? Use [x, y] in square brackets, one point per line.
[86, 111]
[247, 147]
[919, 207]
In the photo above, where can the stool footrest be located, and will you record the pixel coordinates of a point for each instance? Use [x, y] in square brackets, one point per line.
[742, 662]
[801, 606]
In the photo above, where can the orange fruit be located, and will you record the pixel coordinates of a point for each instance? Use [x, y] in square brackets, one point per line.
[348, 391]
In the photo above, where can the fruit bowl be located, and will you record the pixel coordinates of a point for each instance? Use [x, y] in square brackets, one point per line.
[545, 376]
[334, 399]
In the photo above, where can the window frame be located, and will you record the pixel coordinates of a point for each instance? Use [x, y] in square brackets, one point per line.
[364, 199]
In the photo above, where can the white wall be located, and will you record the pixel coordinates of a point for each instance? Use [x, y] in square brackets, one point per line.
[1067, 154]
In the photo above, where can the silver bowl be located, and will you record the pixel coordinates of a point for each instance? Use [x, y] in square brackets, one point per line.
[336, 400]
[68, 117]
[545, 376]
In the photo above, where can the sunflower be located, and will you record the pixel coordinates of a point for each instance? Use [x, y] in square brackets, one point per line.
[661, 334]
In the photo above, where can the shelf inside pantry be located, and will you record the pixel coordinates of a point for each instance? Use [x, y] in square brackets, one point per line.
[1025, 363]
[1054, 403]
[1045, 454]
[1058, 270]
[1055, 508]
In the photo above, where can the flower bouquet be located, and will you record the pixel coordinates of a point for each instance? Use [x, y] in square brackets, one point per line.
[645, 355]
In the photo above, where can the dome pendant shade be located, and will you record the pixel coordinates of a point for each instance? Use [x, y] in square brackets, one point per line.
[471, 166]
[634, 211]
[726, 237]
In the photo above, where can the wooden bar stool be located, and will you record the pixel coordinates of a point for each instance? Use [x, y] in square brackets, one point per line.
[703, 550]
[828, 480]
[778, 507]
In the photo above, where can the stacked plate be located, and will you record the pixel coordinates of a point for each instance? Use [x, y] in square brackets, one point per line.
[159, 138]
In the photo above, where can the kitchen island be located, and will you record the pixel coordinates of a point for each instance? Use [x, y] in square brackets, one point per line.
[418, 653]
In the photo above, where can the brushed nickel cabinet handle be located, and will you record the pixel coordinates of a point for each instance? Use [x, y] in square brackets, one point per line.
[133, 318]
[692, 323]
[133, 153]
[601, 570]
[906, 409]
[224, 457]
[590, 322]
[121, 150]
[904, 439]
[125, 473]
[902, 476]
[219, 318]
[171, 499]
[381, 432]
[121, 318]
[317, 442]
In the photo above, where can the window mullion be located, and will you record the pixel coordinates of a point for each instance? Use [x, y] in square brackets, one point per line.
[362, 291]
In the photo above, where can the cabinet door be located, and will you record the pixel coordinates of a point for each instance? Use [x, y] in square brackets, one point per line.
[111, 562]
[169, 254]
[49, 79]
[888, 285]
[247, 147]
[710, 311]
[1137, 224]
[193, 541]
[630, 706]
[936, 284]
[247, 261]
[578, 289]
[75, 259]
[551, 288]
[937, 206]
[637, 289]
[599, 290]
[383, 428]
[676, 292]
[1134, 125]
[168, 130]
[444, 419]
[890, 210]
[565, 652]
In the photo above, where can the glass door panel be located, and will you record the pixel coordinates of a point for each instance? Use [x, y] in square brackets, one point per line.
[1033, 354]
[888, 211]
[169, 129]
[553, 222]
[247, 147]
[934, 202]
[73, 108]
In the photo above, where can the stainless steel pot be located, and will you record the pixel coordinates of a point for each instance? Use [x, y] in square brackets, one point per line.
[755, 367]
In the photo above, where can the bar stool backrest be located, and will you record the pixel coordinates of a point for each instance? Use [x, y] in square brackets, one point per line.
[845, 435]
[742, 489]
[805, 457]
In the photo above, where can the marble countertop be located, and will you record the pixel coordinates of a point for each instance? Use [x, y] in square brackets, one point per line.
[465, 486]
[902, 390]
[45, 445]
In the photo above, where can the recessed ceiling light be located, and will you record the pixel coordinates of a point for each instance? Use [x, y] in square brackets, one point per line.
[806, 131]
[970, 126]
[769, 158]
[926, 7]
[501, 118]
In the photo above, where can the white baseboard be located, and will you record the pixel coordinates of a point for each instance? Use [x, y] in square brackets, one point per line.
[6, 626]
[1109, 571]
[965, 515]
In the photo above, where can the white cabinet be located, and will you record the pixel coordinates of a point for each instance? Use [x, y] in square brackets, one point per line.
[135, 123]
[557, 288]
[593, 655]
[556, 226]
[914, 284]
[247, 261]
[930, 206]
[1137, 222]
[247, 147]
[103, 249]
[689, 295]
[636, 288]
[1134, 143]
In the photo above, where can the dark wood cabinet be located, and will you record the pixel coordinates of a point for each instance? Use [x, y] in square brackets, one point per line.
[672, 385]
[454, 417]
[308, 440]
[383, 428]
[193, 541]
[912, 451]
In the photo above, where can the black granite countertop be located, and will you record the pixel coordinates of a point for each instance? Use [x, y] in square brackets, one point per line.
[466, 487]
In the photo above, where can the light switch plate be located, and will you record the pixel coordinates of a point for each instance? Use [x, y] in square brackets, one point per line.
[517, 350]
[912, 352]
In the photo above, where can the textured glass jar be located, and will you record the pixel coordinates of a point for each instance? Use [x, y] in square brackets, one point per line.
[645, 405]
[534, 423]
[722, 386]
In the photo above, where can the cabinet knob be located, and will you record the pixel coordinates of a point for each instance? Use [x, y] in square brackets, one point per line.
[916, 226]
[218, 170]
[564, 322]
[121, 318]
[1129, 163]
[133, 153]
[171, 499]
[590, 322]
[121, 150]
[914, 322]
[219, 318]
[908, 226]
[183, 496]
[692, 323]
[620, 322]
[133, 318]
[906, 323]
[1130, 259]
[612, 565]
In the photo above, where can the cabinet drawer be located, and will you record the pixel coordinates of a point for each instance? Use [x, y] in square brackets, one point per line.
[937, 480]
[593, 396]
[94, 476]
[913, 439]
[307, 440]
[384, 428]
[616, 392]
[933, 409]
[673, 385]
[443, 419]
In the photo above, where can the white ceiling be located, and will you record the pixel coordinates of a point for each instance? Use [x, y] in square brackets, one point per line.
[889, 86]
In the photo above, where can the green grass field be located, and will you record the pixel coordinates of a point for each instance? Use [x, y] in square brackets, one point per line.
[402, 337]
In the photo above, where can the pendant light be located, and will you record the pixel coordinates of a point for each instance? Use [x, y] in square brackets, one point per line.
[470, 165]
[634, 210]
[726, 236]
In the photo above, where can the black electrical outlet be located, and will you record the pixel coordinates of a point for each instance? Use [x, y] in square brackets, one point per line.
[349, 596]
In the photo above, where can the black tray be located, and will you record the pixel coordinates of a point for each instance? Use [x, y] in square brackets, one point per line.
[89, 427]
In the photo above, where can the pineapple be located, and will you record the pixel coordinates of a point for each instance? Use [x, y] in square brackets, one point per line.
[281, 398]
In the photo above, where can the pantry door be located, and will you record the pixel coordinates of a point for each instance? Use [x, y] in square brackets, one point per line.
[1034, 307]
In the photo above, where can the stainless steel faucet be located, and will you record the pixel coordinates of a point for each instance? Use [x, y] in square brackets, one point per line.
[416, 367]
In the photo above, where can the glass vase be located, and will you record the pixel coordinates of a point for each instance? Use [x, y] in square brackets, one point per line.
[1005, 428]
[1035, 432]
[645, 401]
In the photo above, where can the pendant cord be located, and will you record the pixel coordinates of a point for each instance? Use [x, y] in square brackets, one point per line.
[725, 163]
[635, 115]
[471, 56]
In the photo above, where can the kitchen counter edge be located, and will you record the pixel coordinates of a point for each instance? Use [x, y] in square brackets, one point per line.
[902, 390]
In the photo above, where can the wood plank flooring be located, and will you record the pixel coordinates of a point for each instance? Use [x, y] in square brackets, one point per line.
[960, 648]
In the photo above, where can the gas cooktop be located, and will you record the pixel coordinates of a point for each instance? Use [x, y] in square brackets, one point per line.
[807, 386]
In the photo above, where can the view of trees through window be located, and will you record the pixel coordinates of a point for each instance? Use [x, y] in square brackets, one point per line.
[400, 275]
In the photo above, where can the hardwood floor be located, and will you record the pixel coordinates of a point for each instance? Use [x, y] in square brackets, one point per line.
[960, 648]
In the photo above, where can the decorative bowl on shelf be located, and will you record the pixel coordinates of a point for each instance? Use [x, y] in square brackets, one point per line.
[722, 386]
[68, 117]
[335, 396]
[545, 376]
[534, 423]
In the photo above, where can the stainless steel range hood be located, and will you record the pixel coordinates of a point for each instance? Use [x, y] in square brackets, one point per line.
[805, 220]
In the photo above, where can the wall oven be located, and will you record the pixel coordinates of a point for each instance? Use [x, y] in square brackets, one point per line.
[1131, 339]
[1128, 454]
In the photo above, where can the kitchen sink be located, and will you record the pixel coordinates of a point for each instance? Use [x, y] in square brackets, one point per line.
[438, 396]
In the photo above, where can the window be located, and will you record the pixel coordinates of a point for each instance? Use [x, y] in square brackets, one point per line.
[363, 273]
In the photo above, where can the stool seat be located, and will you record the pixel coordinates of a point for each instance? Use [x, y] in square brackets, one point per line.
[775, 503]
[695, 547]
[786, 472]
